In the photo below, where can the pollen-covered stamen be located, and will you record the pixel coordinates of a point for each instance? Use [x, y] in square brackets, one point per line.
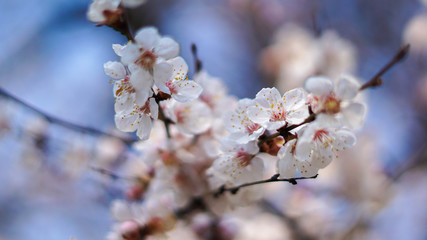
[322, 136]
[145, 109]
[278, 114]
[243, 158]
[147, 59]
[124, 86]
[331, 105]
[172, 87]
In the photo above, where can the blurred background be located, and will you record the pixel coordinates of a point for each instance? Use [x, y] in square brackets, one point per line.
[52, 58]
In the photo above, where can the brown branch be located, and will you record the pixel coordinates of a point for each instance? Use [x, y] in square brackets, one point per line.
[274, 178]
[64, 123]
[376, 80]
[284, 131]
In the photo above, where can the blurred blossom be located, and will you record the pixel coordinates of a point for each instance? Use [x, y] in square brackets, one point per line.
[297, 54]
[415, 33]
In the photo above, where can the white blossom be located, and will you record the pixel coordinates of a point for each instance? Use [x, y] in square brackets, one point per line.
[98, 9]
[319, 143]
[237, 122]
[238, 163]
[273, 111]
[192, 117]
[146, 60]
[138, 118]
[179, 86]
[288, 162]
[336, 100]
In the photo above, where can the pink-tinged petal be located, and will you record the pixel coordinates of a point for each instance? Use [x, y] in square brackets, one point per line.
[344, 139]
[187, 91]
[286, 165]
[142, 96]
[144, 127]
[322, 156]
[147, 38]
[141, 80]
[162, 73]
[347, 87]
[268, 97]
[115, 70]
[125, 121]
[258, 115]
[154, 108]
[353, 116]
[294, 99]
[167, 48]
[319, 86]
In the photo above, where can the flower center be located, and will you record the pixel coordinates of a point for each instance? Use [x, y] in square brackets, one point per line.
[243, 158]
[252, 127]
[146, 60]
[321, 135]
[124, 86]
[278, 115]
[332, 105]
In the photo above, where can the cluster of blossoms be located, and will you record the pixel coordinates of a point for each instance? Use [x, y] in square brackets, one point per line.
[197, 139]
[297, 54]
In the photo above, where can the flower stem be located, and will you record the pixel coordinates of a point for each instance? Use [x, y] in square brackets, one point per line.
[376, 80]
[274, 178]
[64, 123]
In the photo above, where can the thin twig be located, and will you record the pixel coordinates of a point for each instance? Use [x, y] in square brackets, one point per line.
[66, 124]
[376, 80]
[274, 178]
[198, 64]
[113, 175]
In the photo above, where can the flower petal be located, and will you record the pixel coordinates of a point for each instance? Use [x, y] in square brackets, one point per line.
[286, 165]
[319, 86]
[268, 97]
[144, 127]
[162, 72]
[125, 121]
[187, 91]
[147, 37]
[353, 116]
[115, 70]
[347, 88]
[167, 48]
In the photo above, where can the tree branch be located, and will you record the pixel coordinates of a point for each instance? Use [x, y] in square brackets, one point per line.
[274, 178]
[64, 123]
[376, 80]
